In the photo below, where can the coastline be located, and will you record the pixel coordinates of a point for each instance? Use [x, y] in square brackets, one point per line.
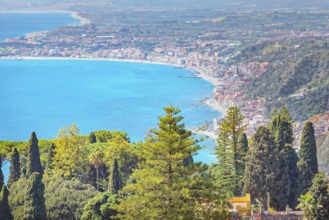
[73, 14]
[212, 80]
[83, 21]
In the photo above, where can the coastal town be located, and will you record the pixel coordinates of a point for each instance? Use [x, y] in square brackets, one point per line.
[167, 109]
[212, 56]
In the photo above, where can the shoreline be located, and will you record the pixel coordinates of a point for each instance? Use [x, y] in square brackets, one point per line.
[73, 14]
[212, 80]
[83, 21]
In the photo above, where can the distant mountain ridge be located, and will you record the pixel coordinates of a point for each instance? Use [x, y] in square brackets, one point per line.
[232, 5]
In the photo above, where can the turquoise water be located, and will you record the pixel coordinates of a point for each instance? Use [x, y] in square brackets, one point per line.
[45, 95]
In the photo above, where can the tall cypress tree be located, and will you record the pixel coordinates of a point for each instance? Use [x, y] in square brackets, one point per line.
[92, 138]
[34, 206]
[308, 163]
[286, 180]
[1, 174]
[5, 213]
[51, 154]
[243, 148]
[33, 160]
[292, 158]
[320, 193]
[15, 168]
[115, 183]
[261, 166]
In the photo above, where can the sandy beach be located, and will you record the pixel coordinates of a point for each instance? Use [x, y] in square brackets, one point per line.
[83, 21]
[209, 134]
[74, 14]
[87, 58]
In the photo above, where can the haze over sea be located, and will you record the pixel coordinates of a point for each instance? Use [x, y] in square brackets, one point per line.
[45, 95]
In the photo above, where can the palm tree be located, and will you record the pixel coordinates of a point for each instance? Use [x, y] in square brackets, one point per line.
[306, 204]
[96, 159]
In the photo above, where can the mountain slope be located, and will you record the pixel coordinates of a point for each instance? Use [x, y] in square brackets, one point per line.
[323, 157]
[302, 84]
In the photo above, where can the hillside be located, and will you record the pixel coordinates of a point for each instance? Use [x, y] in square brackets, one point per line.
[323, 156]
[298, 77]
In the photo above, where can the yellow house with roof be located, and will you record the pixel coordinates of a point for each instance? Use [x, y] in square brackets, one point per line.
[241, 205]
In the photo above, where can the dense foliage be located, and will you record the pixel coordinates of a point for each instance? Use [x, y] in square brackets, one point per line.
[1, 174]
[65, 199]
[33, 160]
[230, 152]
[34, 204]
[5, 212]
[115, 183]
[307, 163]
[104, 176]
[320, 194]
[285, 191]
[315, 202]
[161, 187]
[100, 207]
[15, 168]
[261, 166]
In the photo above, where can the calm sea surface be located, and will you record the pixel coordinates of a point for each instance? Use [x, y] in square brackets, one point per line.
[45, 95]
[19, 24]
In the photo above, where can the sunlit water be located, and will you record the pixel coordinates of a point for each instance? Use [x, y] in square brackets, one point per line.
[45, 95]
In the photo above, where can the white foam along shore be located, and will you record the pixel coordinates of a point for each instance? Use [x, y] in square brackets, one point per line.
[74, 14]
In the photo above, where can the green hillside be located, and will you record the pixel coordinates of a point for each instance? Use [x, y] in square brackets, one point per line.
[298, 77]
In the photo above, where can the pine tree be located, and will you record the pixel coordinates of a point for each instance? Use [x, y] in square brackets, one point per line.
[51, 154]
[307, 164]
[2, 181]
[261, 168]
[34, 206]
[161, 182]
[5, 213]
[320, 194]
[92, 138]
[15, 168]
[115, 183]
[230, 157]
[33, 160]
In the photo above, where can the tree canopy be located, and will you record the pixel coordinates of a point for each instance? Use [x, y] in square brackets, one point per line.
[230, 152]
[160, 189]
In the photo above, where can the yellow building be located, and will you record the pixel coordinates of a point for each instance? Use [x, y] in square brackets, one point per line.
[241, 205]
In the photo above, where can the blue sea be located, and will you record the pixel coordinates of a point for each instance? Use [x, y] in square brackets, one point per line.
[45, 95]
[19, 24]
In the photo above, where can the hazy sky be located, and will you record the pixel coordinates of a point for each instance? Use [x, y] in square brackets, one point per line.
[232, 4]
